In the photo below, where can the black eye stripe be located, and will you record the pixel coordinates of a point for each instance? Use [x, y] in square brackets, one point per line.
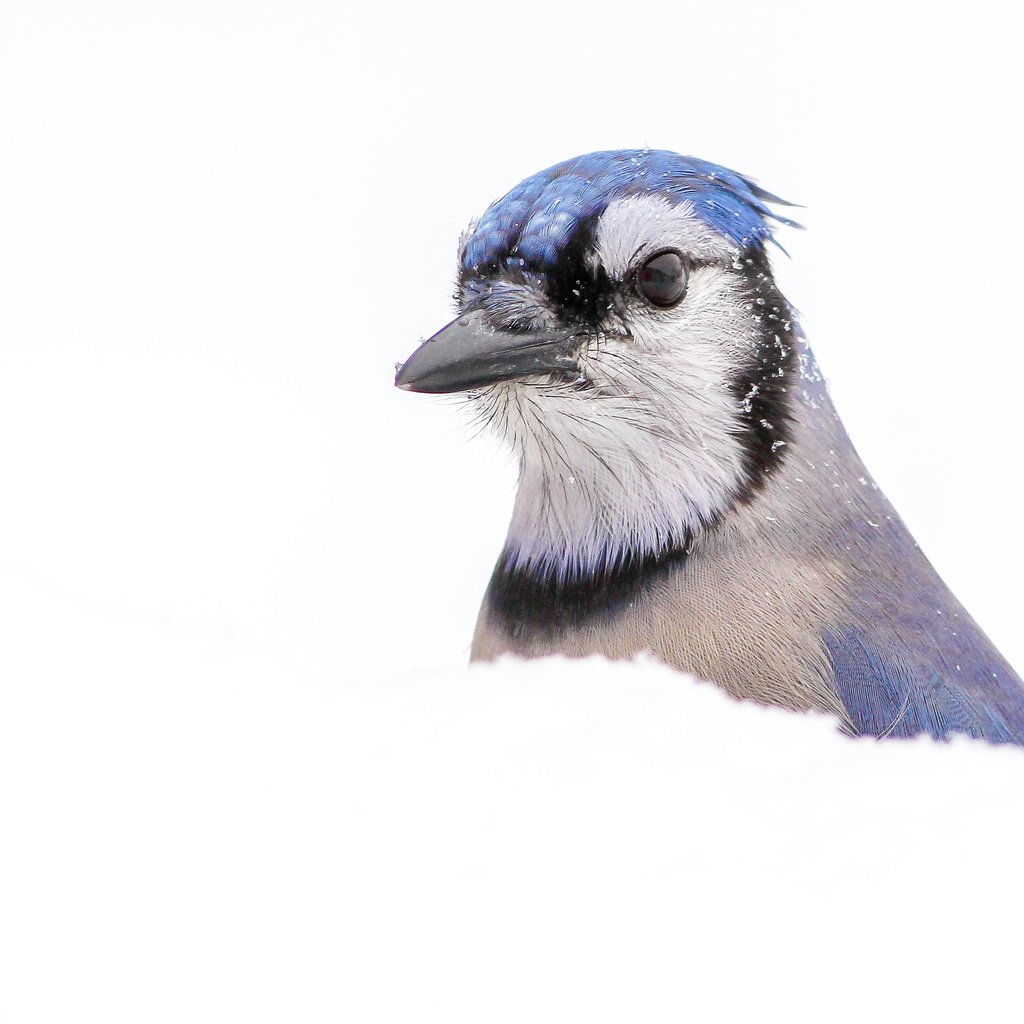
[661, 280]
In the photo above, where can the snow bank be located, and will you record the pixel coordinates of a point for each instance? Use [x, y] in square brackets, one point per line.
[195, 830]
[224, 224]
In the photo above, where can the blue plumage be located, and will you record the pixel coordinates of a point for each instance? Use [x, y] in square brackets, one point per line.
[686, 486]
[897, 693]
[532, 224]
[922, 665]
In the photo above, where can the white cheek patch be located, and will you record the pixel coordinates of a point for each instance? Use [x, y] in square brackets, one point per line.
[649, 454]
[713, 322]
[639, 226]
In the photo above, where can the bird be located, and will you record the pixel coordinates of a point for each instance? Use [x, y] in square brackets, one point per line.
[686, 487]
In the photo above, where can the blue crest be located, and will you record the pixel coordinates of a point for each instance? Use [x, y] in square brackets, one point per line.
[532, 224]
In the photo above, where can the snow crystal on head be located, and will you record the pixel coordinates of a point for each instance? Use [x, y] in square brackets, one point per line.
[533, 223]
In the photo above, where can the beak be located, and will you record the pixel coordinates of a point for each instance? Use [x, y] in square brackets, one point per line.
[469, 353]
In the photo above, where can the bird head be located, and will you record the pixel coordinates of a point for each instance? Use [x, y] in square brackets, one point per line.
[619, 325]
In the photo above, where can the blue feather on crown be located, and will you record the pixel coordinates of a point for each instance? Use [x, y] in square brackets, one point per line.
[535, 221]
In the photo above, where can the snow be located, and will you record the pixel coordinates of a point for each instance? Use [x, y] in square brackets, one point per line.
[244, 771]
[199, 830]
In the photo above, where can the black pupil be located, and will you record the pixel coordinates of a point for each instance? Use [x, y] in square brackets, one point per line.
[662, 279]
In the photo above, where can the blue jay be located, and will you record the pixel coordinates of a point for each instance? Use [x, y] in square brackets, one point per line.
[685, 485]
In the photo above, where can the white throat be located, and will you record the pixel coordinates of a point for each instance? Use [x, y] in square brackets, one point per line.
[648, 453]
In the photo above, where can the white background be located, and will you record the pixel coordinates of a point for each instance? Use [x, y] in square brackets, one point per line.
[222, 224]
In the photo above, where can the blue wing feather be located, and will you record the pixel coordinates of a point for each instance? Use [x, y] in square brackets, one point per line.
[889, 693]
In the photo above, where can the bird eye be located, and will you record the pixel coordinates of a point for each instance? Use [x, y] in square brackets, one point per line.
[662, 279]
